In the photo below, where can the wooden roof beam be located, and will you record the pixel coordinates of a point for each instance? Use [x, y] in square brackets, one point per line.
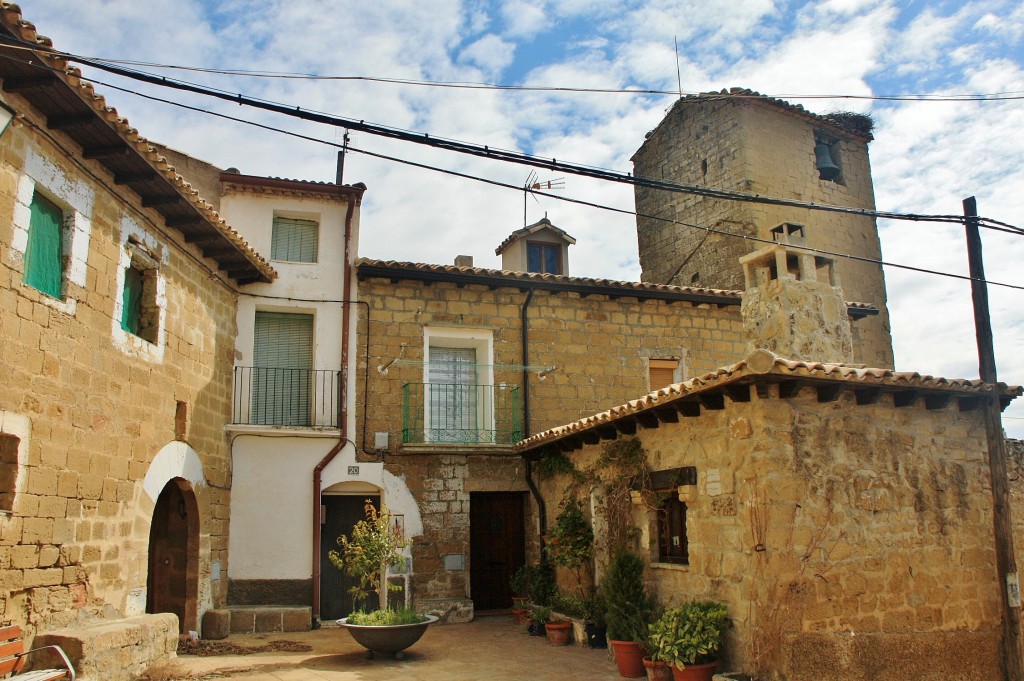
[26, 84]
[156, 200]
[105, 152]
[132, 178]
[66, 122]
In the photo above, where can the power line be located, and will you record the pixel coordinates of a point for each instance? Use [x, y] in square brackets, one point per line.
[469, 85]
[517, 188]
[496, 153]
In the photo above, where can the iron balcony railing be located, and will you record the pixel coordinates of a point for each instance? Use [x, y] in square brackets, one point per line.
[303, 398]
[457, 413]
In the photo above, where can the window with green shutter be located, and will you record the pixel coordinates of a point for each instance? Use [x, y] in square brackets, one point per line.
[44, 256]
[140, 312]
[131, 300]
[294, 240]
[283, 359]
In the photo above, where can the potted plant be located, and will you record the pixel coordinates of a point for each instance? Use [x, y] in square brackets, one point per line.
[375, 545]
[520, 583]
[539, 617]
[688, 638]
[594, 615]
[558, 631]
[629, 610]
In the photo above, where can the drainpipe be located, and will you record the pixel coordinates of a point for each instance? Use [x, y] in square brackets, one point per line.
[541, 508]
[342, 410]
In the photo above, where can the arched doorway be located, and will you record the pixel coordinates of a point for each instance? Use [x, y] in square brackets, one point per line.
[342, 506]
[173, 581]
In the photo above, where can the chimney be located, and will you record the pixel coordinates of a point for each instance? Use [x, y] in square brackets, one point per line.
[793, 305]
[463, 261]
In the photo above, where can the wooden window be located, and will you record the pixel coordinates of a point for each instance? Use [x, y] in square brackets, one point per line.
[453, 412]
[44, 254]
[662, 372]
[140, 313]
[543, 258]
[672, 543]
[283, 355]
[294, 240]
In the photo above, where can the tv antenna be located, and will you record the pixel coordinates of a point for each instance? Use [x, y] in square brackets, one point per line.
[534, 184]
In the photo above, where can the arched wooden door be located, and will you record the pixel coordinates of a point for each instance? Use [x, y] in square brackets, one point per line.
[173, 581]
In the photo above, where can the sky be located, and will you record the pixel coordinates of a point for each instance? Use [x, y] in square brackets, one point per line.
[926, 158]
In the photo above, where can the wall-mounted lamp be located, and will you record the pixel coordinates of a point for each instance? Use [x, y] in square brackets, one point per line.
[382, 369]
[7, 115]
[543, 374]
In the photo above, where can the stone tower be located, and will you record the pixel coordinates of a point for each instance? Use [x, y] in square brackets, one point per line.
[737, 140]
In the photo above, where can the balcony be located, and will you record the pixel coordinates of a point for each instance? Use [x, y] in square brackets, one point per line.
[458, 413]
[296, 398]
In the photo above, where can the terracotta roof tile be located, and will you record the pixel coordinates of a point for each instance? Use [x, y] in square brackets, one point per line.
[72, 76]
[638, 286]
[762, 362]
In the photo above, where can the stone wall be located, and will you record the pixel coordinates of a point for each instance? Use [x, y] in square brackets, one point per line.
[741, 145]
[92, 406]
[600, 346]
[848, 541]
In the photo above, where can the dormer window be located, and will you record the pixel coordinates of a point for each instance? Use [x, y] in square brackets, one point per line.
[543, 258]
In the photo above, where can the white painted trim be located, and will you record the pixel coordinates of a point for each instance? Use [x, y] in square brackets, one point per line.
[128, 343]
[174, 460]
[20, 426]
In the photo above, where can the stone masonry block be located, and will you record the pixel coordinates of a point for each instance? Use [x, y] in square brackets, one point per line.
[216, 624]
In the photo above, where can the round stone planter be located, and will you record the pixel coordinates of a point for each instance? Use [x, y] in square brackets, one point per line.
[387, 640]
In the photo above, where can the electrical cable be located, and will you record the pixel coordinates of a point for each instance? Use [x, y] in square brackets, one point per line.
[511, 156]
[590, 204]
[286, 75]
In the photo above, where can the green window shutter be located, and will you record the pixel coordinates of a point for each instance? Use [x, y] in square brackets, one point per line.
[44, 264]
[131, 300]
[283, 359]
[294, 240]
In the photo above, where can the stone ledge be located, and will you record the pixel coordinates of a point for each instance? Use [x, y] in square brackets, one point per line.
[116, 650]
[447, 610]
[258, 619]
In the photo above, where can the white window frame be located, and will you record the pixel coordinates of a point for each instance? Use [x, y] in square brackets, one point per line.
[76, 199]
[130, 344]
[481, 340]
[19, 426]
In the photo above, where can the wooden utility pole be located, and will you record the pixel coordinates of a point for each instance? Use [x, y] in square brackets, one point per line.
[1006, 562]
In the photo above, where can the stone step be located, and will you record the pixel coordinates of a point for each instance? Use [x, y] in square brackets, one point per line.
[253, 619]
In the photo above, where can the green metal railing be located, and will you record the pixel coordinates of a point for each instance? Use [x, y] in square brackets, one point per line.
[457, 413]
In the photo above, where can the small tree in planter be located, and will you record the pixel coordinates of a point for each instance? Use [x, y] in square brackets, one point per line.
[376, 544]
[629, 610]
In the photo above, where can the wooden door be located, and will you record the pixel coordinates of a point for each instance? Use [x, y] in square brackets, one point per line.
[497, 546]
[341, 513]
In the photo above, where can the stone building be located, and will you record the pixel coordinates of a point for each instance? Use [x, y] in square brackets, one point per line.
[459, 363]
[740, 141]
[118, 317]
[843, 514]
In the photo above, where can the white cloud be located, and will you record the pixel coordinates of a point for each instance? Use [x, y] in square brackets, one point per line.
[490, 53]
[525, 19]
[926, 158]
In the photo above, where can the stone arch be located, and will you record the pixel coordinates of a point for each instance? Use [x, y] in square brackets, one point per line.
[172, 583]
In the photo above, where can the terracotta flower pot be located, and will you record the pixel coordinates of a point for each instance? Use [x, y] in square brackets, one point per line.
[629, 657]
[521, 616]
[695, 672]
[657, 670]
[558, 633]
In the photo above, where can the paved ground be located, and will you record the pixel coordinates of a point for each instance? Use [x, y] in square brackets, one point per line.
[491, 648]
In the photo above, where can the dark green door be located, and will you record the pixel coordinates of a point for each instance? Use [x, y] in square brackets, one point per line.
[341, 513]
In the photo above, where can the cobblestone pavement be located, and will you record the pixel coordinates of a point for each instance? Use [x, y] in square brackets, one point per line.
[491, 648]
